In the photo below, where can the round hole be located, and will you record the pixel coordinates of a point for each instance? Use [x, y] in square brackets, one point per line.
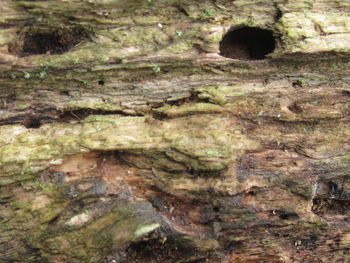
[32, 123]
[247, 43]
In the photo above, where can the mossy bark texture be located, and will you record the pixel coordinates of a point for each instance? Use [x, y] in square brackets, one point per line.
[174, 131]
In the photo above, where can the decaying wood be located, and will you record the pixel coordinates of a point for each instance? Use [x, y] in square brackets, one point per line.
[174, 131]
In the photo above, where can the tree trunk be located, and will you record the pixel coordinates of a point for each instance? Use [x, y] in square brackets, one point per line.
[174, 131]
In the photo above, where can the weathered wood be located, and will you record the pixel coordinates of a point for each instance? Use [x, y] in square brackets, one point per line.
[125, 136]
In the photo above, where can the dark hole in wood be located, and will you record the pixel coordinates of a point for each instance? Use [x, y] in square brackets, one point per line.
[346, 92]
[151, 249]
[64, 93]
[332, 197]
[295, 107]
[286, 215]
[309, 241]
[322, 206]
[297, 84]
[251, 193]
[47, 41]
[101, 82]
[216, 209]
[234, 246]
[10, 98]
[42, 43]
[278, 14]
[54, 220]
[247, 43]
[157, 202]
[32, 122]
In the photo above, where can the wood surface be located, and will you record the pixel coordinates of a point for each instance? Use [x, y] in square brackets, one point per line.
[174, 131]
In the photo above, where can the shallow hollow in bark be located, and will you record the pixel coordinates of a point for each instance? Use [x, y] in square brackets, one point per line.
[247, 43]
[42, 40]
[332, 198]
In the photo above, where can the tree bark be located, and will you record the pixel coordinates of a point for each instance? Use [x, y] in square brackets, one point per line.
[174, 131]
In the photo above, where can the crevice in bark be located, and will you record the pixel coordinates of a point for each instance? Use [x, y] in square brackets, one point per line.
[28, 120]
[278, 13]
[297, 84]
[247, 43]
[81, 114]
[45, 117]
[39, 115]
[192, 99]
[286, 215]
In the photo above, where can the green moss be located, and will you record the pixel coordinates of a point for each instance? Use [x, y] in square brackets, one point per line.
[219, 94]
[211, 33]
[179, 47]
[23, 205]
[95, 104]
[192, 139]
[251, 22]
[188, 109]
[156, 68]
[49, 213]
